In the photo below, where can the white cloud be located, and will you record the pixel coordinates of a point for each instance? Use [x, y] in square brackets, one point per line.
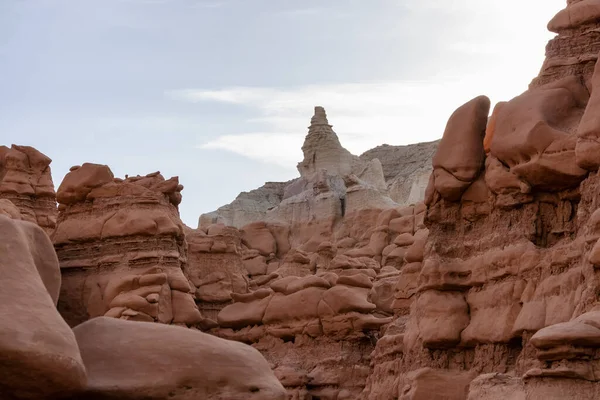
[488, 56]
[363, 114]
[275, 148]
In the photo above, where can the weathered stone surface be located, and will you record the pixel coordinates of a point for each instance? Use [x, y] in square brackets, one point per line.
[496, 386]
[123, 361]
[540, 149]
[39, 357]
[25, 180]
[125, 234]
[587, 149]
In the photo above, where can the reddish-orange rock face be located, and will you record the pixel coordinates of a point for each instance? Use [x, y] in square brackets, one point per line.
[122, 248]
[25, 180]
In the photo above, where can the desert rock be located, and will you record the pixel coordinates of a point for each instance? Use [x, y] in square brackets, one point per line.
[123, 360]
[40, 357]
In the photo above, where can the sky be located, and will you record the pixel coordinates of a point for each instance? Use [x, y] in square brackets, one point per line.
[220, 92]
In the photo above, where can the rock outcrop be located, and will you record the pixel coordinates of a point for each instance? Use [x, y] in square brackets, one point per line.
[406, 169]
[39, 358]
[122, 248]
[574, 51]
[384, 177]
[247, 207]
[315, 314]
[488, 290]
[26, 180]
[124, 361]
[507, 289]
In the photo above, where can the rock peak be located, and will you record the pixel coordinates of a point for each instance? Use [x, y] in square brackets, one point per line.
[322, 148]
[320, 117]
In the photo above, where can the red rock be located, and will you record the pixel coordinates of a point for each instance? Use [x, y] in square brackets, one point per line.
[39, 354]
[123, 224]
[199, 365]
[537, 151]
[430, 384]
[460, 156]
[588, 133]
[575, 16]
[26, 181]
[258, 236]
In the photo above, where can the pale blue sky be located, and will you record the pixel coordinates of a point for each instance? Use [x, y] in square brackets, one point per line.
[220, 92]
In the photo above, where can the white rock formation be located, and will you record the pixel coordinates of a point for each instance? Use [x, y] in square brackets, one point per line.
[333, 182]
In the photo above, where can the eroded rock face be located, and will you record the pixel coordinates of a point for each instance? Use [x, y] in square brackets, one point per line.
[535, 134]
[574, 51]
[25, 180]
[216, 268]
[507, 287]
[460, 156]
[322, 150]
[406, 169]
[124, 361]
[333, 184]
[248, 207]
[39, 357]
[122, 248]
[316, 314]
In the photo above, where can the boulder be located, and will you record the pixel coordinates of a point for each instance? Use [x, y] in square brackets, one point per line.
[123, 361]
[39, 358]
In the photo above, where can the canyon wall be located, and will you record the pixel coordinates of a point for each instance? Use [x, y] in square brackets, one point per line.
[461, 269]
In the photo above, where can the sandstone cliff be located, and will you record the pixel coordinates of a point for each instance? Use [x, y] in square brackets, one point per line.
[122, 248]
[488, 290]
[25, 180]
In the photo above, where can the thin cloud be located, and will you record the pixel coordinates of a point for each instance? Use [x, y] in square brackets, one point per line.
[499, 62]
[363, 114]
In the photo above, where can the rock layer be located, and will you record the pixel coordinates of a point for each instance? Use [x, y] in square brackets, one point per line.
[383, 177]
[26, 180]
[122, 248]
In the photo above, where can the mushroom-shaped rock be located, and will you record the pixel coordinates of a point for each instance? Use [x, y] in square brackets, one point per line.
[80, 181]
[575, 15]
[460, 155]
[583, 331]
[123, 361]
[533, 134]
[39, 358]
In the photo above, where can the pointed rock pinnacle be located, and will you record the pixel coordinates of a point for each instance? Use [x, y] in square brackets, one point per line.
[320, 117]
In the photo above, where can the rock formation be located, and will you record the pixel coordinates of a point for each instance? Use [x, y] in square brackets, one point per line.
[488, 290]
[123, 361]
[406, 169]
[383, 177]
[505, 303]
[39, 358]
[315, 315]
[122, 248]
[25, 180]
[247, 207]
